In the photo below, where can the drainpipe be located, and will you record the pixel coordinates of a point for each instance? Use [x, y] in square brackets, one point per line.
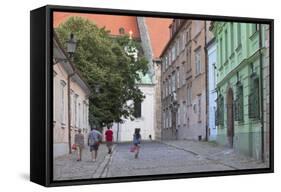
[261, 89]
[206, 81]
[69, 110]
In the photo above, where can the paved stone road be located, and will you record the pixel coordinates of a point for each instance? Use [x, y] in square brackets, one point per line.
[66, 167]
[155, 158]
[177, 157]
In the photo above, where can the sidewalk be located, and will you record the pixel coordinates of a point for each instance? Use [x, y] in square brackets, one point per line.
[66, 167]
[219, 154]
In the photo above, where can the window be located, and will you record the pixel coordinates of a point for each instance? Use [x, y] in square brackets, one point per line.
[199, 108]
[173, 53]
[187, 37]
[166, 62]
[197, 62]
[170, 86]
[170, 58]
[225, 46]
[238, 103]
[182, 79]
[62, 105]
[254, 28]
[254, 106]
[178, 114]
[238, 34]
[178, 46]
[184, 113]
[197, 27]
[164, 119]
[231, 37]
[173, 82]
[167, 88]
[178, 77]
[168, 117]
[72, 107]
[79, 115]
[189, 95]
[137, 109]
[76, 109]
[121, 31]
[182, 41]
[221, 52]
[189, 59]
[220, 110]
[163, 90]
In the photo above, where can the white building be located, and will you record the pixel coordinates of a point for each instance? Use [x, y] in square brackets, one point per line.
[144, 117]
[69, 89]
[212, 95]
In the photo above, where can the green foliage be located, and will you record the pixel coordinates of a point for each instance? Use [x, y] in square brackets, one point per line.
[103, 62]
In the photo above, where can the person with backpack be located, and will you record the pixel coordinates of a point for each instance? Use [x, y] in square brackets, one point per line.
[94, 140]
[136, 142]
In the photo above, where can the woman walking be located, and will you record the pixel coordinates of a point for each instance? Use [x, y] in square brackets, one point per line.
[136, 142]
[79, 142]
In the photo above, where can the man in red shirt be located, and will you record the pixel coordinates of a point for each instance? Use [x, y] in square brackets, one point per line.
[109, 139]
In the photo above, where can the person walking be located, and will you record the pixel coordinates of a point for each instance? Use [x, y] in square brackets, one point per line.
[109, 139]
[79, 142]
[136, 142]
[94, 140]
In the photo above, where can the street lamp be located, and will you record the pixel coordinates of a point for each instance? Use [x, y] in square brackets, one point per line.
[71, 45]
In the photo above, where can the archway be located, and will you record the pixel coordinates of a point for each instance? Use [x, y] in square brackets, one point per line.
[230, 117]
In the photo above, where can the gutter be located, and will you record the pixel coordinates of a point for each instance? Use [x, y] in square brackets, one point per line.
[261, 89]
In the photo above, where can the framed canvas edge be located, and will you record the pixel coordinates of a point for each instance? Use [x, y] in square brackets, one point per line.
[49, 182]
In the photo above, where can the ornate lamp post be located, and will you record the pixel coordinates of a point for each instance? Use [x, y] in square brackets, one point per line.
[71, 47]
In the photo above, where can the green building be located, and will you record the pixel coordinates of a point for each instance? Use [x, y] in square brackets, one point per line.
[240, 59]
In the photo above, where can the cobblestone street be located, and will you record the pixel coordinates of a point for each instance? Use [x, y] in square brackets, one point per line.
[155, 158]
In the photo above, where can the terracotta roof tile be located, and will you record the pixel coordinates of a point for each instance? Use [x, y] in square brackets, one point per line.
[158, 28]
[110, 22]
[159, 33]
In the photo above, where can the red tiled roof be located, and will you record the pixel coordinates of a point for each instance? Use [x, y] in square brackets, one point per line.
[159, 33]
[110, 22]
[158, 28]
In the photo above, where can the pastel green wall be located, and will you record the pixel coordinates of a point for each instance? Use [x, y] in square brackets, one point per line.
[238, 56]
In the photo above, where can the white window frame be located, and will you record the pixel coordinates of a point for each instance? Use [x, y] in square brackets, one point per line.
[62, 102]
[178, 77]
[198, 62]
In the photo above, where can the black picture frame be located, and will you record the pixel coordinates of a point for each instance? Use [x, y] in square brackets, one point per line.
[41, 99]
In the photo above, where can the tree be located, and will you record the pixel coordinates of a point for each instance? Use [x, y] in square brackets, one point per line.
[103, 63]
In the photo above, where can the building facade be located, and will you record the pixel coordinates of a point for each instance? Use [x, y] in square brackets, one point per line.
[240, 59]
[184, 81]
[266, 96]
[70, 101]
[212, 94]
